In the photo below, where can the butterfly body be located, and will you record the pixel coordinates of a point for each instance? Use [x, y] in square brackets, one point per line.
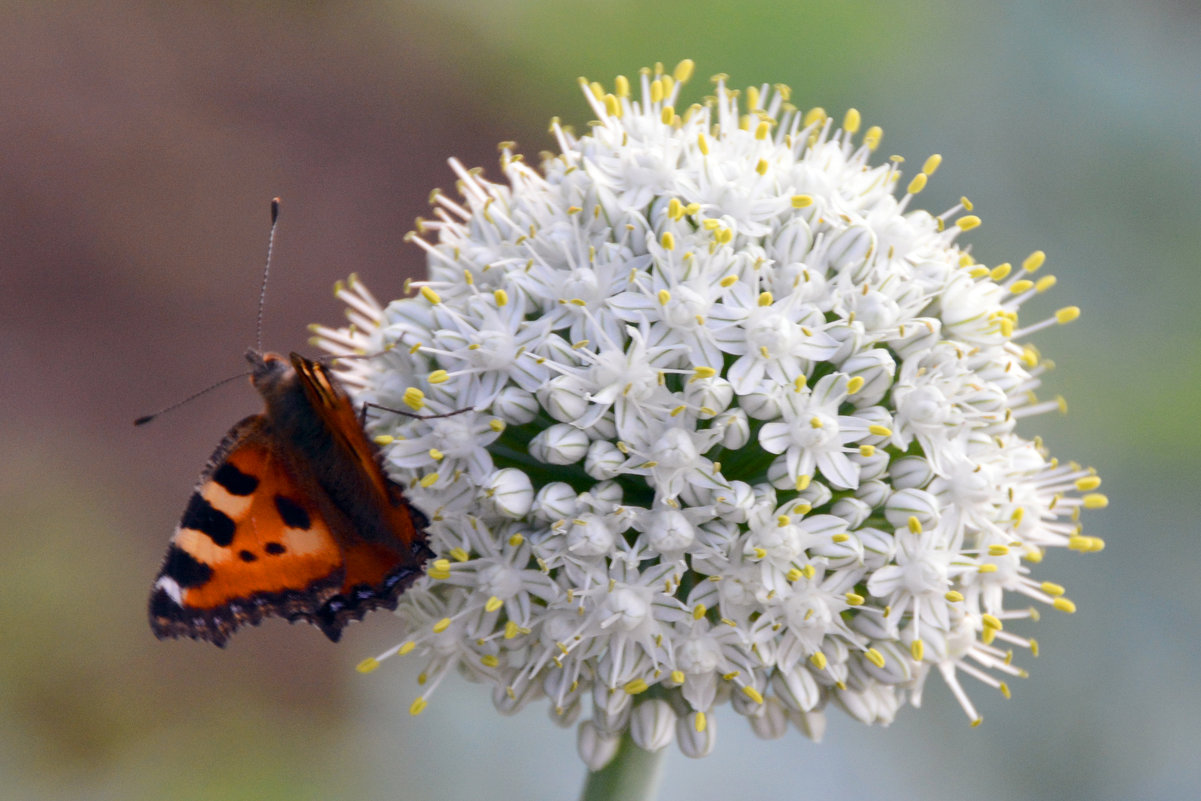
[293, 516]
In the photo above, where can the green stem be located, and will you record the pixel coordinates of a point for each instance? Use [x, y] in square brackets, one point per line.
[633, 775]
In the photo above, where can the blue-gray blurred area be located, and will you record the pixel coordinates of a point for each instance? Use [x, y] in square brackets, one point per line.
[140, 144]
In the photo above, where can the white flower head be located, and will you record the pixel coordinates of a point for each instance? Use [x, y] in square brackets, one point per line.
[738, 427]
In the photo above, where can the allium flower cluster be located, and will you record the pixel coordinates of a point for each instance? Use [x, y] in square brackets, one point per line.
[736, 426]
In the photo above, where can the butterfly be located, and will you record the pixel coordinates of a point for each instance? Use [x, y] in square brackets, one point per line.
[293, 516]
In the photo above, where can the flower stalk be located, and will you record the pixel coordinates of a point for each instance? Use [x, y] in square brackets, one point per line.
[631, 775]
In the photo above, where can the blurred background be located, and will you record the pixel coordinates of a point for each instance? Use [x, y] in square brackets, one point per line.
[140, 144]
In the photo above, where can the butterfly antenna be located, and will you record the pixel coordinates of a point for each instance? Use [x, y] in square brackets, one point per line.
[258, 339]
[146, 418]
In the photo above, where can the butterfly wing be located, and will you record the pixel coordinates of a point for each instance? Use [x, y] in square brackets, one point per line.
[252, 542]
[385, 546]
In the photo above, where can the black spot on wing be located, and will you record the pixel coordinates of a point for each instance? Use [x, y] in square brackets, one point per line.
[202, 516]
[246, 556]
[184, 569]
[234, 480]
[274, 548]
[291, 513]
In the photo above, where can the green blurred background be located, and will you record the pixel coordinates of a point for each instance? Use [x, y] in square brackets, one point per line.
[140, 144]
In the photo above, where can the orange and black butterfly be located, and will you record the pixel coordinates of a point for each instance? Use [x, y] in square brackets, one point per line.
[293, 516]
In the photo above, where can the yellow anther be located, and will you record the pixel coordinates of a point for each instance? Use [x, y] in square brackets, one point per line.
[1095, 501]
[855, 384]
[990, 567]
[428, 480]
[1045, 283]
[1067, 314]
[915, 525]
[439, 377]
[1034, 261]
[656, 91]
[367, 665]
[430, 295]
[489, 660]
[635, 686]
[967, 222]
[459, 555]
[621, 86]
[917, 650]
[798, 383]
[1064, 605]
[383, 439]
[700, 723]
[699, 611]
[702, 144]
[931, 164]
[511, 630]
[441, 626]
[667, 115]
[802, 482]
[1000, 272]
[991, 622]
[496, 424]
[880, 431]
[978, 271]
[668, 240]
[760, 553]
[753, 694]
[917, 184]
[417, 707]
[967, 204]
[817, 114]
[840, 537]
[763, 129]
[703, 372]
[493, 604]
[874, 656]
[802, 201]
[436, 454]
[1088, 483]
[794, 574]
[1021, 285]
[873, 136]
[854, 599]
[815, 422]
[852, 120]
[998, 550]
[765, 298]
[809, 571]
[1051, 588]
[819, 660]
[761, 167]
[867, 450]
[683, 71]
[953, 597]
[501, 296]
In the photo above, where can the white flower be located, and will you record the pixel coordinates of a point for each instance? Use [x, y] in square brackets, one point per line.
[737, 426]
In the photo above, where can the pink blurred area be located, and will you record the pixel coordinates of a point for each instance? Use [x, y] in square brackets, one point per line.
[140, 146]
